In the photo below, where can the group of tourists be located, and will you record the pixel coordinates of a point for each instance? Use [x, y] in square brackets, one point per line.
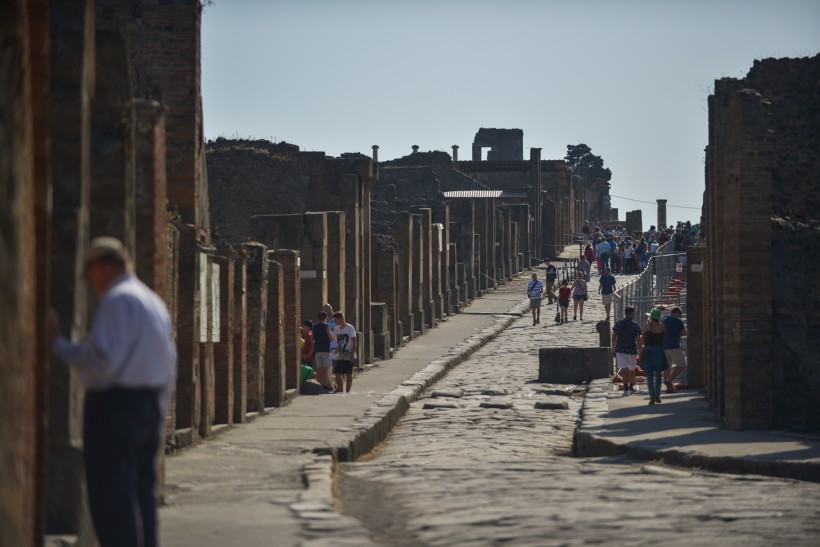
[656, 345]
[328, 344]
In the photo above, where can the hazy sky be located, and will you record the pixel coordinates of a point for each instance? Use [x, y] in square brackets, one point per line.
[628, 78]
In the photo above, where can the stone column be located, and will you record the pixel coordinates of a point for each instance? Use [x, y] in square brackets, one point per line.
[441, 215]
[224, 347]
[290, 261]
[535, 183]
[419, 269]
[275, 373]
[661, 214]
[455, 153]
[240, 338]
[208, 331]
[257, 302]
[150, 256]
[404, 239]
[375, 153]
[188, 326]
[427, 273]
[463, 212]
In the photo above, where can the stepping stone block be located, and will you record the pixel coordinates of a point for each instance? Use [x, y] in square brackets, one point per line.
[573, 365]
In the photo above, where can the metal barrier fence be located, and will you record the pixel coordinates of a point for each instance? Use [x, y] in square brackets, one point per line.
[652, 287]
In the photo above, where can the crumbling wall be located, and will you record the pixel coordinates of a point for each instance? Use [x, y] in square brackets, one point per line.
[504, 144]
[760, 327]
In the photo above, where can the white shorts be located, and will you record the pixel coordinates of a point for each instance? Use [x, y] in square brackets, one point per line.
[676, 358]
[625, 360]
[607, 298]
[321, 359]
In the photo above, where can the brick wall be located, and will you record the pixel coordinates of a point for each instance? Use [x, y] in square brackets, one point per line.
[760, 345]
[164, 39]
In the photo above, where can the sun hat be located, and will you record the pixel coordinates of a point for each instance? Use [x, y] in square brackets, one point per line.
[655, 314]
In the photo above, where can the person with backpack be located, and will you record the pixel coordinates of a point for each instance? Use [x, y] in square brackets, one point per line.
[624, 344]
[535, 291]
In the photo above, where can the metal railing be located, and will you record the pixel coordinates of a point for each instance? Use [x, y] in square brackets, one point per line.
[654, 286]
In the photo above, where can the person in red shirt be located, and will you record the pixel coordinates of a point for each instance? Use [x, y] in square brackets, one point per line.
[564, 294]
[307, 347]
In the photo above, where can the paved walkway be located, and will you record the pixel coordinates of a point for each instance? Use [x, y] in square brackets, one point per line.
[270, 481]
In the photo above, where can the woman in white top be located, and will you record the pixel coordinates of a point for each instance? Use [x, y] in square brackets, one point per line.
[579, 296]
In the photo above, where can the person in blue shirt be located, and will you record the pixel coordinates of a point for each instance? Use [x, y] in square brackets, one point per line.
[675, 329]
[535, 292]
[624, 344]
[606, 288]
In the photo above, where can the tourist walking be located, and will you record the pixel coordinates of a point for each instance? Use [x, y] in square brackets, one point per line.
[604, 252]
[675, 357]
[584, 267]
[346, 345]
[550, 277]
[579, 296]
[624, 344]
[564, 295]
[127, 364]
[642, 254]
[535, 292]
[606, 288]
[653, 358]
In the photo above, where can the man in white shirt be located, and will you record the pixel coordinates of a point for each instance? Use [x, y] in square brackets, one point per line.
[127, 364]
[346, 346]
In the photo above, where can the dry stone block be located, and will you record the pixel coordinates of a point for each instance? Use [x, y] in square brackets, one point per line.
[573, 365]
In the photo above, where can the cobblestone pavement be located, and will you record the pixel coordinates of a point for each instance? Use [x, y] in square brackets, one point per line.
[483, 459]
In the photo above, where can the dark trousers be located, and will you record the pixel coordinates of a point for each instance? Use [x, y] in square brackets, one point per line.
[121, 436]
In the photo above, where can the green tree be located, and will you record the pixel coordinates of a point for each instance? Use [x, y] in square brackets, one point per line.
[580, 156]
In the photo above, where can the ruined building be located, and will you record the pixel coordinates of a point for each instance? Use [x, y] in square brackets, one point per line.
[754, 305]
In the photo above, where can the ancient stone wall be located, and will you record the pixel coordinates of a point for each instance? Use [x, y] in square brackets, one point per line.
[760, 345]
[164, 50]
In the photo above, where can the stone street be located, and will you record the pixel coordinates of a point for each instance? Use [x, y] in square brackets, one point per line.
[484, 459]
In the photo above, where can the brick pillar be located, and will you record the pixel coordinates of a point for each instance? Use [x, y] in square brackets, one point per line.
[419, 268]
[748, 314]
[275, 336]
[463, 212]
[240, 338]
[290, 261]
[695, 373]
[441, 215]
[223, 347]
[188, 347]
[404, 239]
[381, 331]
[208, 328]
[426, 279]
[151, 200]
[257, 303]
[171, 298]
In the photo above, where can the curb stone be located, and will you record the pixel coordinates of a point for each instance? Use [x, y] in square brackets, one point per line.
[587, 444]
